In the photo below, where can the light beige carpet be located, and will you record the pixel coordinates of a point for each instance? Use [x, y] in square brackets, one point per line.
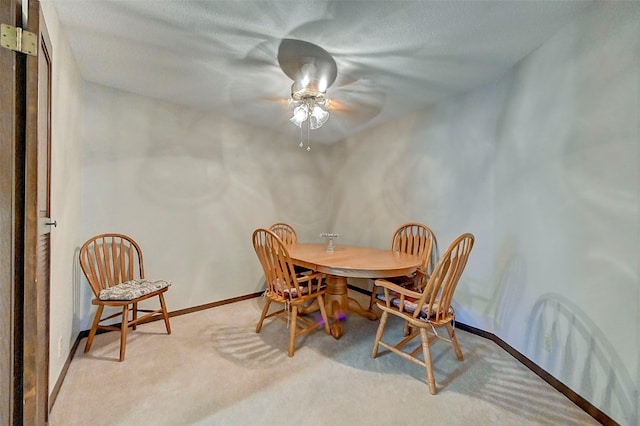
[215, 370]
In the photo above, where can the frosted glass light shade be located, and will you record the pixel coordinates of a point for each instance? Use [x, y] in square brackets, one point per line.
[320, 114]
[318, 117]
[299, 115]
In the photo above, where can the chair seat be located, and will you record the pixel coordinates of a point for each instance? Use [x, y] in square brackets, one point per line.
[410, 306]
[403, 280]
[133, 289]
[304, 287]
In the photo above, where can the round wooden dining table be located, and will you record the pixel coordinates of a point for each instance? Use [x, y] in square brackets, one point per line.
[346, 261]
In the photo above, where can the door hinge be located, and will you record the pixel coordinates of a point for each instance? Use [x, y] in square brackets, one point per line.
[15, 38]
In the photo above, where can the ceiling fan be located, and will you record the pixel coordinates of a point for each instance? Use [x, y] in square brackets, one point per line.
[313, 70]
[321, 94]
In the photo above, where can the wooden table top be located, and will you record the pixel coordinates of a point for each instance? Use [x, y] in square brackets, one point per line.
[353, 261]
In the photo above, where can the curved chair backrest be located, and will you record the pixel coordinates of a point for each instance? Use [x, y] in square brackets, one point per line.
[110, 259]
[277, 265]
[414, 238]
[285, 232]
[439, 289]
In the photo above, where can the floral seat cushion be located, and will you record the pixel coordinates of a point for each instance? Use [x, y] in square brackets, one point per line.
[410, 306]
[304, 289]
[403, 280]
[132, 289]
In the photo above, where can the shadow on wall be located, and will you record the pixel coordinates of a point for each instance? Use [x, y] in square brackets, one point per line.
[177, 177]
[185, 166]
[574, 348]
[509, 278]
[78, 300]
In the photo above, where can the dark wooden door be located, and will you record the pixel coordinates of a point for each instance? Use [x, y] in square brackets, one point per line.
[11, 214]
[24, 202]
[37, 231]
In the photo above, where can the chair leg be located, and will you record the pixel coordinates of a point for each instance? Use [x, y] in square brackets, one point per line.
[135, 316]
[165, 314]
[323, 312]
[454, 341]
[426, 351]
[372, 299]
[263, 315]
[94, 328]
[379, 333]
[407, 329]
[292, 330]
[123, 331]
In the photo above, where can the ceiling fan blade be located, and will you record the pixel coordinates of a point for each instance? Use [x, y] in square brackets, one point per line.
[300, 59]
[357, 110]
[260, 57]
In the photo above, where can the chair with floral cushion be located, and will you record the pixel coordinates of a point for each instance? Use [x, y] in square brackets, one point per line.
[113, 266]
[285, 287]
[425, 311]
[413, 238]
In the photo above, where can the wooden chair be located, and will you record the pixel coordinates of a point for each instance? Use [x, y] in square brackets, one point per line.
[285, 232]
[413, 238]
[286, 287]
[288, 235]
[114, 268]
[428, 311]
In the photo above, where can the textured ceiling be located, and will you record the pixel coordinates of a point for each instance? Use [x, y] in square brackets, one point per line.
[393, 57]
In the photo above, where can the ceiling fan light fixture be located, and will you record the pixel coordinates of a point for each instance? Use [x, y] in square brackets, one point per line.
[308, 101]
[313, 70]
[319, 116]
[311, 90]
[300, 114]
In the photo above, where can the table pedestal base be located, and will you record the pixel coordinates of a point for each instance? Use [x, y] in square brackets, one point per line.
[338, 304]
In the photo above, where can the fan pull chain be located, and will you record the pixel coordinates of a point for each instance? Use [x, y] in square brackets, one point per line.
[301, 144]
